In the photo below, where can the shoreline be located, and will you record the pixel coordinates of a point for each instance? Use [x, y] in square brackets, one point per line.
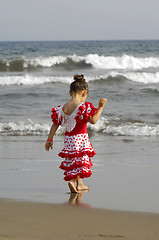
[31, 221]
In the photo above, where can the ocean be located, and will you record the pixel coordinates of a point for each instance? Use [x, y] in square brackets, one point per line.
[35, 77]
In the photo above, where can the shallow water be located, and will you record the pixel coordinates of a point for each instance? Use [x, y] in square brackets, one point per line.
[125, 173]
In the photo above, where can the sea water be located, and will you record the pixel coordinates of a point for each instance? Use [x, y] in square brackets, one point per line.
[35, 76]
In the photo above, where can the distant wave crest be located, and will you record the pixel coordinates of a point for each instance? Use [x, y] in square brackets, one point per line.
[124, 62]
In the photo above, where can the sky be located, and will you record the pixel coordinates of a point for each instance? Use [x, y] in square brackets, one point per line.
[32, 20]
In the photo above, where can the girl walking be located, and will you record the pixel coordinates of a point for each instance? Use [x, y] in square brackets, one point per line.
[74, 115]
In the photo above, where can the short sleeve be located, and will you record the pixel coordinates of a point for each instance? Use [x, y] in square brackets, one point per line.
[56, 115]
[86, 111]
[90, 109]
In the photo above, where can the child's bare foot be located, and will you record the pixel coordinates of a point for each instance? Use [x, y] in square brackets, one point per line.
[81, 186]
[72, 187]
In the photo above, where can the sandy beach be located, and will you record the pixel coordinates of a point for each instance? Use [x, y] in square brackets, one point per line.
[31, 221]
[122, 202]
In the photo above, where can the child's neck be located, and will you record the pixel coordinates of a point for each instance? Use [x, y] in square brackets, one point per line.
[78, 98]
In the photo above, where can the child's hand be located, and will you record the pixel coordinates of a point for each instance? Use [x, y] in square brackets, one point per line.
[102, 102]
[48, 145]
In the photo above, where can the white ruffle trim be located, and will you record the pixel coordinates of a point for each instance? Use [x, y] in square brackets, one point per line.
[68, 121]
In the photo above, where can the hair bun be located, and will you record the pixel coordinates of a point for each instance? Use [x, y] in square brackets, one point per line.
[79, 77]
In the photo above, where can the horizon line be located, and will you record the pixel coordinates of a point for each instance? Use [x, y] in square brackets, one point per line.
[92, 40]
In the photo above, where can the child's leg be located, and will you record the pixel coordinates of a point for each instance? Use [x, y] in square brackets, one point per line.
[80, 185]
[72, 186]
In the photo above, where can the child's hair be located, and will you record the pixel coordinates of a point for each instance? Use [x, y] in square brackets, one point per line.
[79, 84]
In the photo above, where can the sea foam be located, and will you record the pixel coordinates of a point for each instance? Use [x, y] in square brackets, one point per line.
[96, 61]
[124, 62]
[32, 80]
[103, 126]
[142, 77]
[121, 62]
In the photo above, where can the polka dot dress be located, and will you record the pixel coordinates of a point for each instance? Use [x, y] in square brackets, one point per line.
[77, 149]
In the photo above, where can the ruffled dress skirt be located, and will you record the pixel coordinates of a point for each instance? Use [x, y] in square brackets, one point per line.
[77, 152]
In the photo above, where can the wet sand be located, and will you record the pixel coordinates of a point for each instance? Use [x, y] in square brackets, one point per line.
[125, 173]
[35, 221]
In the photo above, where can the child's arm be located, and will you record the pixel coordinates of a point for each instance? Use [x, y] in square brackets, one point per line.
[52, 132]
[96, 116]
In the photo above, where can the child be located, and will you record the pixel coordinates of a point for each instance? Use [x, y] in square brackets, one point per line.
[77, 150]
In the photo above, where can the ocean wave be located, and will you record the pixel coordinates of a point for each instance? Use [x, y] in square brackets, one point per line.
[103, 126]
[141, 77]
[124, 62]
[21, 128]
[32, 80]
[121, 62]
[124, 129]
[153, 90]
[135, 129]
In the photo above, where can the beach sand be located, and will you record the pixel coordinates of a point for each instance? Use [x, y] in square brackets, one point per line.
[31, 221]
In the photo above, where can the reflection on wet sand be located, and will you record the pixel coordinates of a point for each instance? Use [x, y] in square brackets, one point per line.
[76, 199]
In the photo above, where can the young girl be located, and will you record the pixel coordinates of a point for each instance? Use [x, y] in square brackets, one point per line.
[77, 150]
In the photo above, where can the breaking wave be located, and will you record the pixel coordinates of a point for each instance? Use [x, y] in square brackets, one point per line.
[103, 126]
[141, 77]
[73, 62]
[32, 80]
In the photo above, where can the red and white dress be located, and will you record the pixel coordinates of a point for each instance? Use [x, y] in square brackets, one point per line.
[77, 148]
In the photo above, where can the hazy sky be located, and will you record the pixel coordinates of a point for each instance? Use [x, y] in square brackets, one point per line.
[78, 20]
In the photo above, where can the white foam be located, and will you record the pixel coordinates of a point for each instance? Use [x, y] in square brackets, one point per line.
[51, 61]
[131, 129]
[44, 61]
[135, 129]
[32, 80]
[23, 128]
[99, 126]
[102, 126]
[101, 62]
[142, 77]
[29, 127]
[126, 62]
[121, 62]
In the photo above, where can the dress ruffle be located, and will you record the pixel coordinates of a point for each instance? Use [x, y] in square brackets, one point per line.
[70, 164]
[83, 172]
[56, 116]
[65, 153]
[86, 111]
